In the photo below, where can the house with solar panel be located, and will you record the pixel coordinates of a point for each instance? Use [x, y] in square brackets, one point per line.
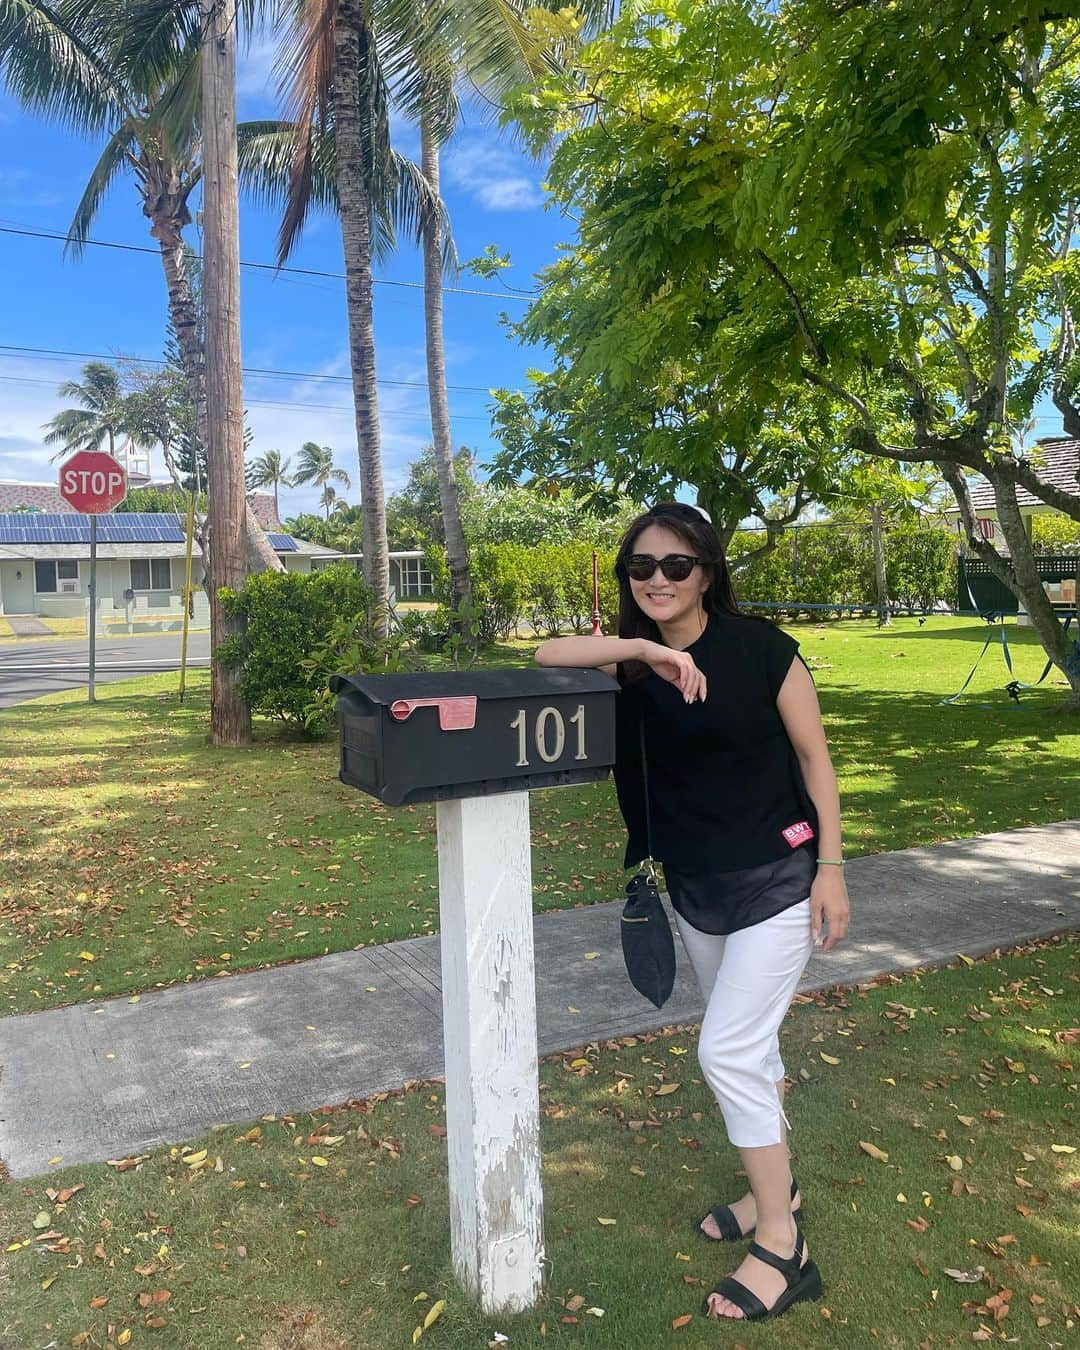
[45, 561]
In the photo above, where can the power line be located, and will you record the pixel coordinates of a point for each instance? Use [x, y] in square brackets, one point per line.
[258, 266]
[58, 353]
[389, 416]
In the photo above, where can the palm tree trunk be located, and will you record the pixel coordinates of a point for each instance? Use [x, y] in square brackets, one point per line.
[350, 38]
[456, 552]
[166, 224]
[230, 716]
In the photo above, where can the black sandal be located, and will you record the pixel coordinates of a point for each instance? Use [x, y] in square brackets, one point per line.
[803, 1282]
[729, 1226]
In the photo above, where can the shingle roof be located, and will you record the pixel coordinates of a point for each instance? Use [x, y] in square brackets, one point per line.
[36, 496]
[262, 505]
[1055, 460]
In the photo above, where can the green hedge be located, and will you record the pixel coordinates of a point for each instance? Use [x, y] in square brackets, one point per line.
[548, 587]
[832, 566]
[295, 624]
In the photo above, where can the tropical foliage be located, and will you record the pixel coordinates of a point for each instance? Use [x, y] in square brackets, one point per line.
[809, 233]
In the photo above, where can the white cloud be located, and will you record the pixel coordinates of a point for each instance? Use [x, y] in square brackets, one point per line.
[281, 414]
[494, 175]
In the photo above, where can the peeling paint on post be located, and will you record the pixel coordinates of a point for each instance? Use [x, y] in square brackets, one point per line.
[489, 1029]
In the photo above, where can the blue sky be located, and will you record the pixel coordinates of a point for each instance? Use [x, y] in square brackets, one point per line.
[113, 303]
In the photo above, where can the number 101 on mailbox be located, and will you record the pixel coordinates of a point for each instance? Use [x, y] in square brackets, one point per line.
[421, 737]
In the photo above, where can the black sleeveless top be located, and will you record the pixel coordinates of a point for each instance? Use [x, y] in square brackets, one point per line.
[732, 821]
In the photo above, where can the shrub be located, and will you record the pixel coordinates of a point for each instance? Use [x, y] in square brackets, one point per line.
[298, 629]
[1053, 533]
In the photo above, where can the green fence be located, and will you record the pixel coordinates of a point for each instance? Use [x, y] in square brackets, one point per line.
[975, 582]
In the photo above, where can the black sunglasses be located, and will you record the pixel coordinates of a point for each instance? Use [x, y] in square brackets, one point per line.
[675, 567]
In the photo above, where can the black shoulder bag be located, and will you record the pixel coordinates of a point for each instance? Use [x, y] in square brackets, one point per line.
[647, 943]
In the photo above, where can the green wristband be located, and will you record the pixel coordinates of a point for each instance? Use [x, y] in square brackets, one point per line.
[830, 862]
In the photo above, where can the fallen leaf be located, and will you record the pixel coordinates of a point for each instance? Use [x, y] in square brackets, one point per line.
[966, 959]
[607, 1222]
[98, 1302]
[124, 1336]
[873, 1151]
[42, 1219]
[591, 956]
[955, 1161]
[966, 1276]
[665, 1089]
[1062, 1148]
[966, 1120]
[434, 1313]
[829, 1059]
[576, 1303]
[319, 1161]
[682, 1321]
[50, 1280]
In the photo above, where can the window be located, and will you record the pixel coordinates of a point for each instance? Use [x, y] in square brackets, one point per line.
[45, 578]
[415, 577]
[150, 574]
[67, 570]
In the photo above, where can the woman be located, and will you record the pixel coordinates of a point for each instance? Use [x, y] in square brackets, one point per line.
[745, 817]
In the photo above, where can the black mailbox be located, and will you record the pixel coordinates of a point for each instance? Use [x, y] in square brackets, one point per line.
[421, 737]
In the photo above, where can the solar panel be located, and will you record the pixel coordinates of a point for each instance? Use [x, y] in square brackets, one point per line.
[129, 527]
[54, 527]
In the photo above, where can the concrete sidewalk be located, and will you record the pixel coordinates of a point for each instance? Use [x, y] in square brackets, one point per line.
[104, 1080]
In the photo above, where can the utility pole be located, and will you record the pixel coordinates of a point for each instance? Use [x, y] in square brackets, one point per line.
[230, 717]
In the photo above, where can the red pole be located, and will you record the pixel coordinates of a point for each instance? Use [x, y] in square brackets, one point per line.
[597, 631]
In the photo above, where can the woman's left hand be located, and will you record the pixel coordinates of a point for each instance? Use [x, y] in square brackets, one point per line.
[829, 907]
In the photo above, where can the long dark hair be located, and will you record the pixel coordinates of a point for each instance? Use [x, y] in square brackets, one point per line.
[701, 541]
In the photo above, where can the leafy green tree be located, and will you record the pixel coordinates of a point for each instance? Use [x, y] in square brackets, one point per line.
[414, 515]
[540, 514]
[862, 216]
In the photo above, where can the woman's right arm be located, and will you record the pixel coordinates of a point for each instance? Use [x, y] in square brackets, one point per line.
[604, 653]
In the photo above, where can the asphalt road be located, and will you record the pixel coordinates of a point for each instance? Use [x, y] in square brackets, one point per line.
[30, 668]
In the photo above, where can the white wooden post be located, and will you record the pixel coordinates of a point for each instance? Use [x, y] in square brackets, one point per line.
[489, 1030]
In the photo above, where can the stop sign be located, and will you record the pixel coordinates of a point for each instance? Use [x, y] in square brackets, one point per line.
[93, 482]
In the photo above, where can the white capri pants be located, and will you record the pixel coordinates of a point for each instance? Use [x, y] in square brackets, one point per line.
[748, 980]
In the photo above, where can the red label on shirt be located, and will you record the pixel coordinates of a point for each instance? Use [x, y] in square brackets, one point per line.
[798, 834]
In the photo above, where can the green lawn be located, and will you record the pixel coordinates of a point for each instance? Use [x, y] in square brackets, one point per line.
[134, 855]
[965, 1079]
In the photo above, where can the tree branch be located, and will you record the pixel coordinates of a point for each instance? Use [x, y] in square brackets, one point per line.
[812, 345]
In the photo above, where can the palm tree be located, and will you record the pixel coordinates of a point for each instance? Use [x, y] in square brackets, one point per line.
[490, 41]
[332, 71]
[316, 465]
[129, 69]
[341, 61]
[270, 470]
[100, 416]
